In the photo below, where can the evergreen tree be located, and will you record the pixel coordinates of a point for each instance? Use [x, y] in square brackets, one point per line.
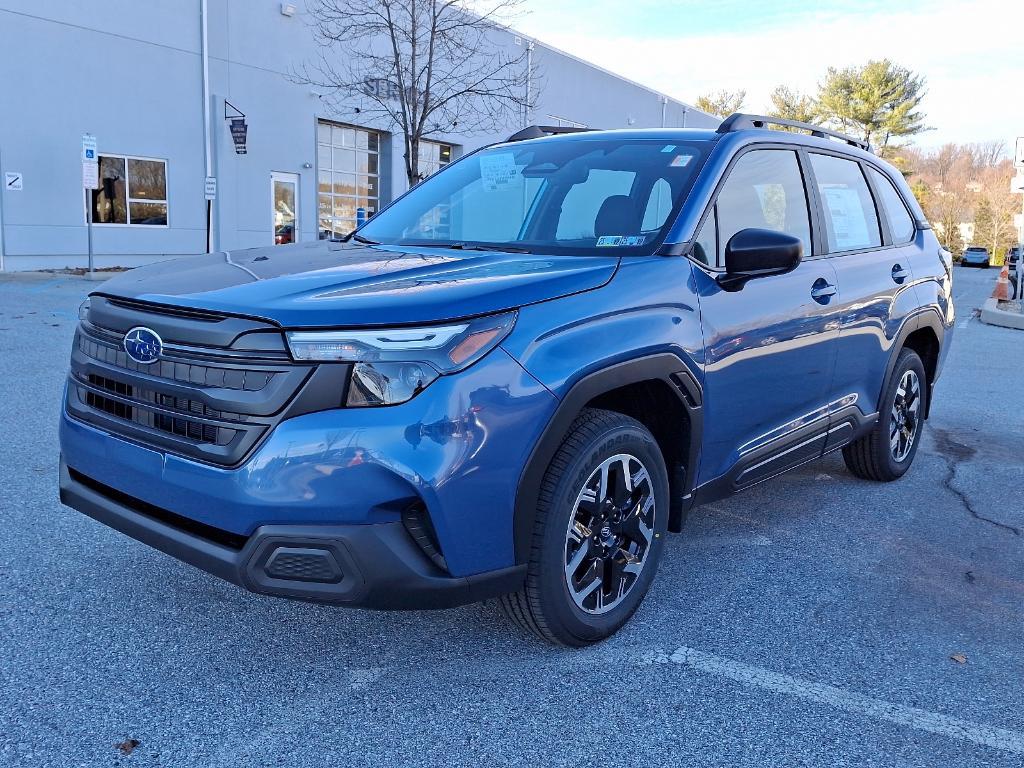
[788, 104]
[877, 102]
[721, 103]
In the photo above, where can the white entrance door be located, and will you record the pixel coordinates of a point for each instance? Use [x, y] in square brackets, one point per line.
[284, 191]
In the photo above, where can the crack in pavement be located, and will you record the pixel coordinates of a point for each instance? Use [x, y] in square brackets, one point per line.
[950, 451]
[947, 482]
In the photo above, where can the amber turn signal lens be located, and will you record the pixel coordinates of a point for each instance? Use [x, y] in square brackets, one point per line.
[472, 344]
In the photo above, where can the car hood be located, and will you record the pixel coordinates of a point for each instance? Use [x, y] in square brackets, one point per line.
[341, 284]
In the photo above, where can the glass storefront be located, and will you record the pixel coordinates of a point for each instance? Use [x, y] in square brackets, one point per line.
[348, 184]
[433, 157]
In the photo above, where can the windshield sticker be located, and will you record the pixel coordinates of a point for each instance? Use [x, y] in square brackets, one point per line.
[680, 160]
[618, 241]
[497, 170]
[669, 148]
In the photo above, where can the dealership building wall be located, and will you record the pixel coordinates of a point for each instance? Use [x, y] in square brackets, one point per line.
[130, 74]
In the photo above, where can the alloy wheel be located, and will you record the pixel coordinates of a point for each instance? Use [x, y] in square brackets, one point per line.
[610, 533]
[906, 409]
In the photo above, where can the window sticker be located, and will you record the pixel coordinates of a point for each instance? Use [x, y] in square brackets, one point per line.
[498, 170]
[669, 148]
[680, 160]
[848, 220]
[619, 241]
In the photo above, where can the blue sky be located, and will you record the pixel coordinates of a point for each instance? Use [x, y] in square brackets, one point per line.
[972, 53]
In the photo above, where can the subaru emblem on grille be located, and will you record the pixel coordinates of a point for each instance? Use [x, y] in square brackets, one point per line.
[143, 345]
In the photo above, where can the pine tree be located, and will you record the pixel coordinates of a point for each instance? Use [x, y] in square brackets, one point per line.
[721, 103]
[878, 101]
[788, 104]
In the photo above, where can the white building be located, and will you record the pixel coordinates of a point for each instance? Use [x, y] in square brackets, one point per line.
[130, 74]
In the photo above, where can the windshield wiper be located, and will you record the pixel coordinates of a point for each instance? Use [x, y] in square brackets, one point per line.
[360, 239]
[472, 247]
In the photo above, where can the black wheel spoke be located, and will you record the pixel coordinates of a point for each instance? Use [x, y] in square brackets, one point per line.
[610, 533]
[905, 423]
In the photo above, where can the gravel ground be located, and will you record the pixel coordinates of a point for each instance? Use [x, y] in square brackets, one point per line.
[808, 621]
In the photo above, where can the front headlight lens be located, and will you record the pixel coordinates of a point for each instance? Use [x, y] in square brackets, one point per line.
[83, 310]
[387, 383]
[392, 365]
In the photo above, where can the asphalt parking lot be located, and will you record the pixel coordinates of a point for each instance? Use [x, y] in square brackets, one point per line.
[809, 621]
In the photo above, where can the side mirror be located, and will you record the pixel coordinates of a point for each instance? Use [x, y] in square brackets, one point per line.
[754, 253]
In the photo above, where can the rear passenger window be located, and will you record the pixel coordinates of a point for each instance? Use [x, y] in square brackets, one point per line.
[850, 218]
[901, 225]
[765, 191]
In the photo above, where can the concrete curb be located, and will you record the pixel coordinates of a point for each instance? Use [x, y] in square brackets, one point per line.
[991, 314]
[28, 276]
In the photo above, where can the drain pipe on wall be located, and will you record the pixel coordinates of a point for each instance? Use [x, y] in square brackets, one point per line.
[208, 157]
[527, 110]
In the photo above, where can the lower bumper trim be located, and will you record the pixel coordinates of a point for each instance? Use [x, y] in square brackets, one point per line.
[373, 566]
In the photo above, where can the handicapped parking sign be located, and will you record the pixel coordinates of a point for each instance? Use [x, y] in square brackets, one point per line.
[89, 148]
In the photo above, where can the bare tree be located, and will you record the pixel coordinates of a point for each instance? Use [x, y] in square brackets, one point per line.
[994, 228]
[987, 154]
[423, 66]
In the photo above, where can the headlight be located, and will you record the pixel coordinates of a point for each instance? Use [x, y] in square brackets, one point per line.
[83, 311]
[392, 365]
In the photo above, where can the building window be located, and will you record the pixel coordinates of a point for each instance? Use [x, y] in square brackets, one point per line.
[133, 190]
[433, 157]
[348, 161]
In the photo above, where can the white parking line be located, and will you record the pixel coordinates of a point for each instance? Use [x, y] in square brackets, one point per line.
[965, 730]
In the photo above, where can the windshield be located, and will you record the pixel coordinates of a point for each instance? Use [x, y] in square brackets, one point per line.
[584, 197]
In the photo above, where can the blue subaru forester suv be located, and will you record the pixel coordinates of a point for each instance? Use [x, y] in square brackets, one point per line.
[517, 378]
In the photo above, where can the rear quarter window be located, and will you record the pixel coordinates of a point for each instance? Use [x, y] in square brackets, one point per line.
[901, 225]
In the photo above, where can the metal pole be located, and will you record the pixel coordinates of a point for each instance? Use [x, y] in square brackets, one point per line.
[664, 108]
[3, 192]
[206, 120]
[1019, 292]
[88, 228]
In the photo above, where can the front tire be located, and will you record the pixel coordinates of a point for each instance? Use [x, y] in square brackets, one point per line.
[888, 450]
[598, 534]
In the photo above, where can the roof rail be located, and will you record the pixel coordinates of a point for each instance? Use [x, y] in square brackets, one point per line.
[540, 131]
[737, 121]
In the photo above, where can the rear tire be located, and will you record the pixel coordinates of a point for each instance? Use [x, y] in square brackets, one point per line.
[888, 450]
[599, 532]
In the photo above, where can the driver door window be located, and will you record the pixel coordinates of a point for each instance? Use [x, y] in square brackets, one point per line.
[765, 190]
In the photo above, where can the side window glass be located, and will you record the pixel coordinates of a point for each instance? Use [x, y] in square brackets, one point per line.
[764, 191]
[850, 218]
[659, 205]
[901, 225]
[704, 245]
[584, 203]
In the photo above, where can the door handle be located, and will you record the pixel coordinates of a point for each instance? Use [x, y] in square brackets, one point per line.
[822, 290]
[899, 274]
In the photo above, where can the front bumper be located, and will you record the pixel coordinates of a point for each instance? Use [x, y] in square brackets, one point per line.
[371, 566]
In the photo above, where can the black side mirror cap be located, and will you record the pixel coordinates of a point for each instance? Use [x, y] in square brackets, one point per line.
[754, 253]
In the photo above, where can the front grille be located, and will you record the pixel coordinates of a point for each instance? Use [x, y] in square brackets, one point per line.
[202, 403]
[180, 423]
[191, 372]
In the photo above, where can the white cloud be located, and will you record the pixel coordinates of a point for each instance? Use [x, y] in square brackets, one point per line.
[972, 55]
